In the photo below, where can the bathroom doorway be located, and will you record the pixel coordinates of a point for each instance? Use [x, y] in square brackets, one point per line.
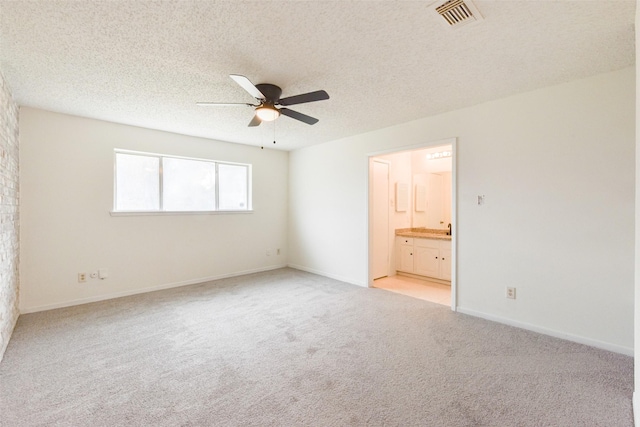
[420, 211]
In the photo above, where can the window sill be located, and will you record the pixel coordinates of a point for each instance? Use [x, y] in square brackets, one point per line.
[163, 213]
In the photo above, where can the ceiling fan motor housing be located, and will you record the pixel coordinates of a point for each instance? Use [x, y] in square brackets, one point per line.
[271, 92]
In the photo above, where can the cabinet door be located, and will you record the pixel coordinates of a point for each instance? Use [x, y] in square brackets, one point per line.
[405, 260]
[445, 265]
[427, 261]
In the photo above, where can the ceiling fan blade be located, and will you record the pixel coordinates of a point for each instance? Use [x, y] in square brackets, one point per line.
[255, 121]
[318, 95]
[246, 84]
[224, 104]
[298, 116]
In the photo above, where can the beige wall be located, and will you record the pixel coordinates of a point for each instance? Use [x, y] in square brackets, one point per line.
[9, 215]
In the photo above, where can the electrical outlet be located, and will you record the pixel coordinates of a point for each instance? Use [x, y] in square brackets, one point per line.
[82, 277]
[511, 293]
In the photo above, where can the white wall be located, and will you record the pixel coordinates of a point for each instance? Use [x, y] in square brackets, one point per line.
[557, 168]
[66, 172]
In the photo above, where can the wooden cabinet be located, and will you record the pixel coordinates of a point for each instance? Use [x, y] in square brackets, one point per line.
[424, 257]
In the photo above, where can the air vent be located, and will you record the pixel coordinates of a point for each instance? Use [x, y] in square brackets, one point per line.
[458, 12]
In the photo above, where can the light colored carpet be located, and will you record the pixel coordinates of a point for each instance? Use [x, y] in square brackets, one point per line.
[288, 348]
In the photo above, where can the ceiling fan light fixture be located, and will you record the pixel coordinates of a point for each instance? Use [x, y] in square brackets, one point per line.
[267, 113]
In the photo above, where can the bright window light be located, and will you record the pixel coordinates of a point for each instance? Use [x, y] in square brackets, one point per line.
[155, 183]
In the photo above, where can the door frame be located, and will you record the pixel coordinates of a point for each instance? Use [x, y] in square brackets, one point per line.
[454, 209]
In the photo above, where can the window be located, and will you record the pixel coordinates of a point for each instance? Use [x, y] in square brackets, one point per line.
[155, 183]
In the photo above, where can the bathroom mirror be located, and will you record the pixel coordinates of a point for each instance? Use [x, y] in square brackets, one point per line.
[420, 188]
[431, 188]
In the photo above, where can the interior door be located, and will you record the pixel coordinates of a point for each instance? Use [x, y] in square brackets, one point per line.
[380, 219]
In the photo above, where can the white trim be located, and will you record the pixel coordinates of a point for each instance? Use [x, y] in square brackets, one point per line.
[145, 290]
[444, 141]
[142, 213]
[151, 154]
[454, 224]
[430, 279]
[329, 275]
[627, 351]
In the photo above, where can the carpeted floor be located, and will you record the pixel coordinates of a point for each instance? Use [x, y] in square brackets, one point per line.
[288, 348]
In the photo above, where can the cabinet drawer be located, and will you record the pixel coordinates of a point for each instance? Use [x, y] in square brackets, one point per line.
[427, 243]
[405, 240]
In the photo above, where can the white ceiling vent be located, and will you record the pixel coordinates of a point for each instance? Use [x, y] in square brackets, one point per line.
[458, 12]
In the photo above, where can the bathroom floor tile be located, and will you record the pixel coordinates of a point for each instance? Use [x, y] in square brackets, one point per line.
[416, 288]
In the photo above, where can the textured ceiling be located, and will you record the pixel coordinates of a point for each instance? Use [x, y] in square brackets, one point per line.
[147, 63]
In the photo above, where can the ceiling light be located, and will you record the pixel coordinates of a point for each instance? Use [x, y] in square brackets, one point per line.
[267, 113]
[439, 155]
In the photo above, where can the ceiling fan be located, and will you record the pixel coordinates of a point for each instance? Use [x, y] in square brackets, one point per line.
[268, 97]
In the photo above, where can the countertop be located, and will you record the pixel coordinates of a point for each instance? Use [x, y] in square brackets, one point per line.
[423, 233]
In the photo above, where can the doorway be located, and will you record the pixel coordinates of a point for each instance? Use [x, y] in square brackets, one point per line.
[414, 174]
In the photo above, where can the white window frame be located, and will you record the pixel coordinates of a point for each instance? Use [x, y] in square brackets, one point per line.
[116, 212]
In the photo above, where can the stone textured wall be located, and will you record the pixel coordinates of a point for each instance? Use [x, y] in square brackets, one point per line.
[9, 215]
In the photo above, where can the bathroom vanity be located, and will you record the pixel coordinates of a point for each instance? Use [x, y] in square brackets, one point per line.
[424, 252]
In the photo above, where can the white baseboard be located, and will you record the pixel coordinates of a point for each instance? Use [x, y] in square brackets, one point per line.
[329, 275]
[551, 332]
[636, 409]
[144, 290]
